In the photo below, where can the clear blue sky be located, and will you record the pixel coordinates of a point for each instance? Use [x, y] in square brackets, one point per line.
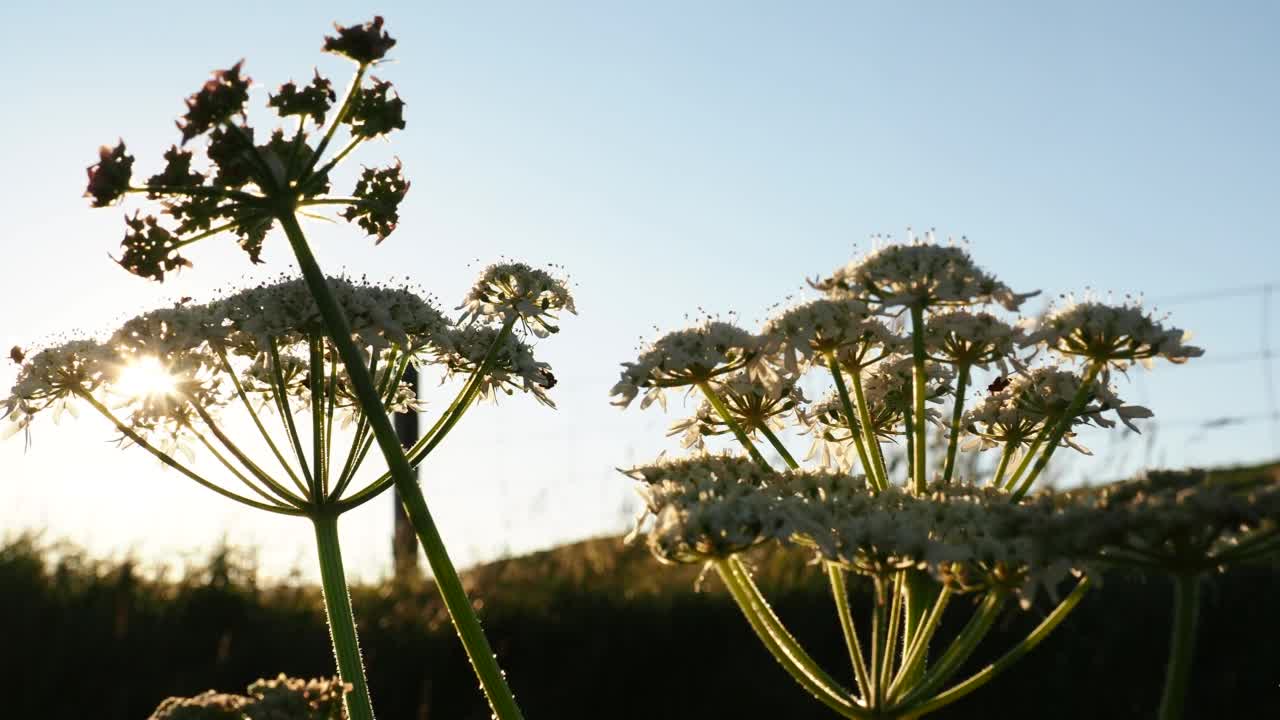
[671, 155]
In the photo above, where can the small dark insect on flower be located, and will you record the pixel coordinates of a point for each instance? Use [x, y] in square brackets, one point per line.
[16, 354]
[548, 380]
[998, 384]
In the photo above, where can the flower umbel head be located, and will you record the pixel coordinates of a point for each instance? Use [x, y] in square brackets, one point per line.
[508, 291]
[686, 358]
[1113, 334]
[919, 273]
[243, 181]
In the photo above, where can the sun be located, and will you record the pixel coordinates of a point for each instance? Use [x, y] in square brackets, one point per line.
[145, 377]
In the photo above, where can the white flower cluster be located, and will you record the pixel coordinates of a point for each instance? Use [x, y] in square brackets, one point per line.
[971, 338]
[752, 404]
[259, 341]
[710, 507]
[515, 290]
[686, 358]
[1113, 334]
[919, 273]
[513, 366]
[800, 336]
[1179, 520]
[1041, 396]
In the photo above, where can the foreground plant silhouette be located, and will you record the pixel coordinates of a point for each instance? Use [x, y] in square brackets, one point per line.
[253, 183]
[896, 332]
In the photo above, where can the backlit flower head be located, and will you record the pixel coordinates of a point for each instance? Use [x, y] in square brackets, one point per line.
[705, 507]
[803, 334]
[971, 338]
[1114, 334]
[1180, 521]
[685, 358]
[515, 290]
[752, 404]
[244, 181]
[513, 367]
[919, 273]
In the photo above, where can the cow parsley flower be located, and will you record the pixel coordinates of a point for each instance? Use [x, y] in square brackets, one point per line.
[753, 405]
[805, 334]
[686, 358]
[514, 290]
[919, 273]
[1112, 334]
[964, 337]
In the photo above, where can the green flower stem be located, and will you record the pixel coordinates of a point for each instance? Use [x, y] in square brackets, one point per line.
[338, 117]
[1003, 465]
[957, 412]
[780, 643]
[331, 402]
[257, 421]
[319, 468]
[286, 414]
[429, 440]
[920, 594]
[363, 439]
[1077, 404]
[244, 459]
[913, 662]
[455, 599]
[239, 475]
[720, 407]
[165, 458]
[1028, 455]
[869, 431]
[342, 154]
[879, 642]
[777, 445]
[919, 474]
[890, 654]
[840, 591]
[982, 677]
[1182, 644]
[869, 448]
[961, 648]
[349, 465]
[342, 623]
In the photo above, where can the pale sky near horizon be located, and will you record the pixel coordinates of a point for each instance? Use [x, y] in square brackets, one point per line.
[671, 156]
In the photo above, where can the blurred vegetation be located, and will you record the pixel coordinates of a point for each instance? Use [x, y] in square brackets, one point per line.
[589, 630]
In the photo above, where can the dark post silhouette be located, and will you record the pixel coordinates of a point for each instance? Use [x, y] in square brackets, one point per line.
[404, 543]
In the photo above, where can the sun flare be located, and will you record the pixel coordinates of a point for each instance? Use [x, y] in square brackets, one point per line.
[145, 377]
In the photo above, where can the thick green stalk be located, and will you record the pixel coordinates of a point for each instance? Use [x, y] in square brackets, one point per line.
[840, 591]
[1182, 645]
[913, 661]
[455, 599]
[342, 623]
[957, 411]
[920, 385]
